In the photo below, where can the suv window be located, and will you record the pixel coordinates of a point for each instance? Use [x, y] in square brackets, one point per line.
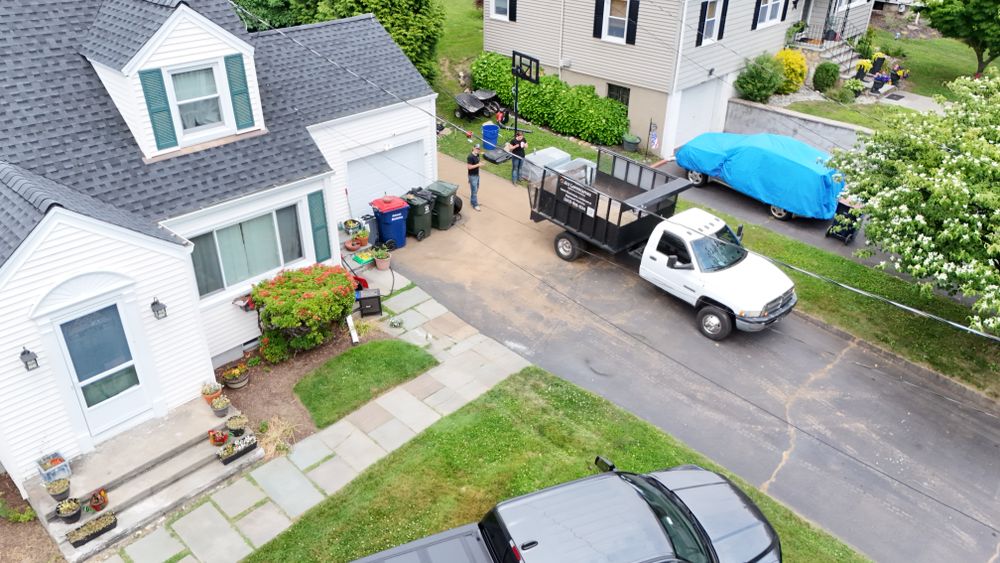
[497, 540]
[672, 245]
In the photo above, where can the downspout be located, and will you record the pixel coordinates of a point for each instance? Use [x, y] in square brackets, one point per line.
[562, 29]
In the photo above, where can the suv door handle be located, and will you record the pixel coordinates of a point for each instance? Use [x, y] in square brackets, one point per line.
[653, 258]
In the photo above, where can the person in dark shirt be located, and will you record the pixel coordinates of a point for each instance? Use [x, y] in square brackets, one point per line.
[473, 164]
[516, 147]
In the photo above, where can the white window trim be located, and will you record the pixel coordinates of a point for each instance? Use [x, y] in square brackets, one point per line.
[843, 5]
[229, 291]
[501, 17]
[228, 125]
[775, 21]
[705, 39]
[604, 26]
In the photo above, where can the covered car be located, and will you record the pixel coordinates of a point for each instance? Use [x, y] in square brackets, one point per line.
[787, 174]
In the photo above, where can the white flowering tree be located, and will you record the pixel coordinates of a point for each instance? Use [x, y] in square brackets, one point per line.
[930, 186]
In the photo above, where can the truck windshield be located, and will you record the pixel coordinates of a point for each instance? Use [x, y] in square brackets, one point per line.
[683, 532]
[719, 251]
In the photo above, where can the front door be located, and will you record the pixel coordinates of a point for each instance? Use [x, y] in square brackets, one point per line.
[103, 370]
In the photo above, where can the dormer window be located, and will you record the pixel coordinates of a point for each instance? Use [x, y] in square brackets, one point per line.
[196, 93]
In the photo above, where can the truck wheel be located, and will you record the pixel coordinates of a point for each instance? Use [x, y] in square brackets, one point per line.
[697, 178]
[780, 214]
[567, 246]
[714, 323]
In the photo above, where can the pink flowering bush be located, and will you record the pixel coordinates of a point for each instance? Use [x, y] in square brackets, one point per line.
[298, 308]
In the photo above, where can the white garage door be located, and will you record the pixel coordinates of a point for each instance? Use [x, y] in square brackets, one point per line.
[392, 172]
[703, 109]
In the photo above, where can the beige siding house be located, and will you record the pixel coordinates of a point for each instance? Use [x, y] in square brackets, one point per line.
[673, 62]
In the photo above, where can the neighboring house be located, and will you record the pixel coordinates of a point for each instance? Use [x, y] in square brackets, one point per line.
[152, 152]
[837, 19]
[673, 62]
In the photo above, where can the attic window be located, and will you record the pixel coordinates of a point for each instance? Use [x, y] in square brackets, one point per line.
[197, 96]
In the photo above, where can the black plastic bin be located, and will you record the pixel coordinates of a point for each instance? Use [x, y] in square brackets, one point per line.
[444, 204]
[418, 222]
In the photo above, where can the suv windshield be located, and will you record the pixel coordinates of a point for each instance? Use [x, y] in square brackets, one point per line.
[720, 252]
[674, 518]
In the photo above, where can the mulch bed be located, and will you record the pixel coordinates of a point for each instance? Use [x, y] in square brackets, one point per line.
[25, 541]
[271, 393]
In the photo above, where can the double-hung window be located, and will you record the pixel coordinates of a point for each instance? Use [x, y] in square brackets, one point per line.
[239, 252]
[501, 9]
[197, 96]
[616, 19]
[770, 11]
[711, 28]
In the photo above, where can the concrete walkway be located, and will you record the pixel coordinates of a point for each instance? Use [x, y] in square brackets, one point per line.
[228, 524]
[912, 101]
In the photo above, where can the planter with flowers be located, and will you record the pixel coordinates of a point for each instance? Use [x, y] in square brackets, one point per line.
[237, 448]
[237, 424]
[237, 376]
[220, 406]
[68, 510]
[53, 466]
[211, 392]
[58, 489]
[864, 65]
[217, 437]
[98, 500]
[382, 257]
[880, 80]
[92, 529]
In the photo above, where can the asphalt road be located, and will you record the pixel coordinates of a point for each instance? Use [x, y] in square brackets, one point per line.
[893, 464]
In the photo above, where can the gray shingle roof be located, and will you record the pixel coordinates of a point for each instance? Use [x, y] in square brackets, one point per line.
[25, 198]
[57, 121]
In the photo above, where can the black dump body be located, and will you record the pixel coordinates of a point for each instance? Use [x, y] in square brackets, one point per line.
[615, 206]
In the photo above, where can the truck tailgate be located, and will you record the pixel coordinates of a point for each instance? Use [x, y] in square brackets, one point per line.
[460, 545]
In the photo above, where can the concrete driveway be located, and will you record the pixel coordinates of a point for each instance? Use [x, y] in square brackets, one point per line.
[894, 463]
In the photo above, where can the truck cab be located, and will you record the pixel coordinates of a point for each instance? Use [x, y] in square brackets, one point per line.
[697, 258]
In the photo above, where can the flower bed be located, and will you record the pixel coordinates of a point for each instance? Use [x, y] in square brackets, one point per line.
[237, 448]
[92, 529]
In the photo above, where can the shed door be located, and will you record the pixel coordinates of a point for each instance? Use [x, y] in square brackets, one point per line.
[103, 369]
[392, 172]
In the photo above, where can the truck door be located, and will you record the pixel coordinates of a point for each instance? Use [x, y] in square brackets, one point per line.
[681, 280]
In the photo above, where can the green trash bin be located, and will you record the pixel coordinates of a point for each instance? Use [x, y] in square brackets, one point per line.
[444, 204]
[418, 222]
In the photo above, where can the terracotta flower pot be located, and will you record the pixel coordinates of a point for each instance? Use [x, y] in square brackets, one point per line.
[352, 245]
[212, 397]
[382, 263]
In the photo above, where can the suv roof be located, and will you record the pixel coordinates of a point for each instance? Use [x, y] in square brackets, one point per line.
[594, 519]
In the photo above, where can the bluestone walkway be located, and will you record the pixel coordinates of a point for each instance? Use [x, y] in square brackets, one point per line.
[228, 524]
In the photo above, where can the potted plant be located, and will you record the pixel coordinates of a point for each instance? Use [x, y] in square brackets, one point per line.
[382, 256]
[53, 466]
[361, 237]
[630, 142]
[237, 376]
[237, 448]
[880, 81]
[98, 500]
[237, 424]
[58, 489]
[92, 529]
[210, 391]
[864, 65]
[217, 437]
[220, 406]
[68, 510]
[352, 226]
[878, 60]
[897, 73]
[855, 85]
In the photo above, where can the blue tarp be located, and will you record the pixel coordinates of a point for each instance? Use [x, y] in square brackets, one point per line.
[775, 169]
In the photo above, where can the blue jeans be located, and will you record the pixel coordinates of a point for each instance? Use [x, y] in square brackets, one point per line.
[515, 173]
[474, 186]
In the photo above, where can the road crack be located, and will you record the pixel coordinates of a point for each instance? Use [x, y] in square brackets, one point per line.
[790, 401]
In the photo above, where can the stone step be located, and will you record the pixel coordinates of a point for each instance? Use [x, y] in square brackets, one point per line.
[156, 505]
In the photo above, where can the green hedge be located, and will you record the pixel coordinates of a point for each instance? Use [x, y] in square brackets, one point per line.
[571, 110]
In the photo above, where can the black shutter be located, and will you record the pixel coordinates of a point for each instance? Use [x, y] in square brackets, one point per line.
[632, 23]
[784, 10]
[512, 10]
[756, 14]
[722, 18]
[701, 25]
[599, 19]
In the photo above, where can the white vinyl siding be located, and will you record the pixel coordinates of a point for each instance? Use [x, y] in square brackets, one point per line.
[64, 247]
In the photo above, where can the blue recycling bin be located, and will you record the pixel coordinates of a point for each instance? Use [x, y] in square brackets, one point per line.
[491, 135]
[390, 214]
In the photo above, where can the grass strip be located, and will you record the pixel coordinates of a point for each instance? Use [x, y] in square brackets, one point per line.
[357, 376]
[960, 355]
[531, 431]
[932, 62]
[873, 116]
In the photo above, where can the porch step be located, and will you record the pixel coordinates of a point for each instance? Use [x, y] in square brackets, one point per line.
[150, 507]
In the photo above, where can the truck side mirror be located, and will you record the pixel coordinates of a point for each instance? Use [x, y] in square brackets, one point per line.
[604, 464]
[671, 262]
[739, 233]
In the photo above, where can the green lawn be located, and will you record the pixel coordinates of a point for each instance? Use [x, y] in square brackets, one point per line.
[965, 357]
[531, 431]
[932, 62]
[873, 116]
[357, 376]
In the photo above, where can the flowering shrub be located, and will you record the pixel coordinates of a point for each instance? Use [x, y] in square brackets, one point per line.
[793, 62]
[298, 308]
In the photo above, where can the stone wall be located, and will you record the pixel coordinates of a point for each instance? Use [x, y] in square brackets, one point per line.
[825, 134]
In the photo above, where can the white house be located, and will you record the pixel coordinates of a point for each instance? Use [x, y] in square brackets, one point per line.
[153, 152]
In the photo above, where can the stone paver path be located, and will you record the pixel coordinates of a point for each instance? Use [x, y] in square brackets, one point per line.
[228, 524]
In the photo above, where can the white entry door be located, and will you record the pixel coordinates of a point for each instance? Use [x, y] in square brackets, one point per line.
[103, 369]
[393, 172]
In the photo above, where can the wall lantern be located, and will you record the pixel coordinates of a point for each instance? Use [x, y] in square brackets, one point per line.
[29, 359]
[159, 309]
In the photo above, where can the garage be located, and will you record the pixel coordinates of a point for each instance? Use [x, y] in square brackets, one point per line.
[702, 109]
[390, 172]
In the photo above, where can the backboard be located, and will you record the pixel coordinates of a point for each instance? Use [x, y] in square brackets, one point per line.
[525, 67]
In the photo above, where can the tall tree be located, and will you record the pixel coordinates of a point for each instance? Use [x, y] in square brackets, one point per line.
[974, 22]
[931, 189]
[415, 25]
